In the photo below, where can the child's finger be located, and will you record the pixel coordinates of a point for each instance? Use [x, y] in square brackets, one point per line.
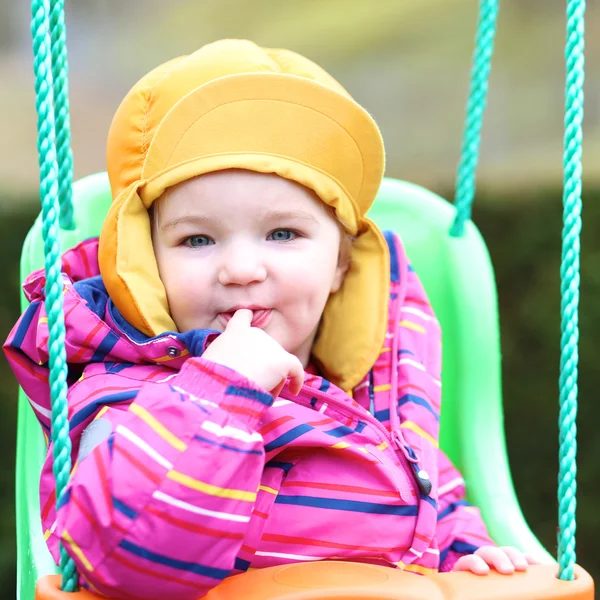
[516, 557]
[473, 563]
[296, 376]
[241, 318]
[496, 558]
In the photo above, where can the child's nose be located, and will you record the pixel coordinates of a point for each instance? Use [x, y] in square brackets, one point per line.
[242, 265]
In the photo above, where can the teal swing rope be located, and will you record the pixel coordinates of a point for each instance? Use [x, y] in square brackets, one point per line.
[49, 192]
[56, 174]
[569, 273]
[480, 74]
[572, 204]
[60, 78]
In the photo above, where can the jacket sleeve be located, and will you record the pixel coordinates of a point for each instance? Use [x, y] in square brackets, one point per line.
[460, 528]
[166, 473]
[161, 503]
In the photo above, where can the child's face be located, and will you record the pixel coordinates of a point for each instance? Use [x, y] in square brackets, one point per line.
[240, 239]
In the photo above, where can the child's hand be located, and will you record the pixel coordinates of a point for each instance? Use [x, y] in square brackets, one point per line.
[505, 560]
[255, 355]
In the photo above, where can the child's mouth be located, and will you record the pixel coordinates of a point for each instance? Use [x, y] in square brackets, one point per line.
[260, 316]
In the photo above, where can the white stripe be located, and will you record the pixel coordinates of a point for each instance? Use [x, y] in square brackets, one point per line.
[166, 378]
[450, 485]
[413, 363]
[43, 411]
[53, 527]
[436, 381]
[231, 432]
[416, 311]
[144, 446]
[292, 556]
[361, 386]
[389, 336]
[323, 407]
[433, 551]
[197, 510]
[281, 403]
[419, 554]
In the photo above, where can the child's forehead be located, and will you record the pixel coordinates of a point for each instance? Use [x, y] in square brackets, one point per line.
[237, 187]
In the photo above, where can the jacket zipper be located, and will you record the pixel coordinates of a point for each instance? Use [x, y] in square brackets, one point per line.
[364, 415]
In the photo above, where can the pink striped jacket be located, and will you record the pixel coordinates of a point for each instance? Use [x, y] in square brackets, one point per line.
[186, 472]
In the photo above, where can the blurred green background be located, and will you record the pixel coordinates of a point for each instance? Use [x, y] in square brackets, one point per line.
[407, 62]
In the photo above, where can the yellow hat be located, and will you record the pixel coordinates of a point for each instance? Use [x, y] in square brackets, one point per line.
[233, 104]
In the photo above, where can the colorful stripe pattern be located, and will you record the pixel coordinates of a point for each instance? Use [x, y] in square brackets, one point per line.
[200, 474]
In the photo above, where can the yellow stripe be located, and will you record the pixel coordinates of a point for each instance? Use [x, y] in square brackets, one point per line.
[384, 350]
[401, 565]
[264, 488]
[364, 450]
[158, 427]
[168, 358]
[43, 320]
[47, 534]
[414, 427]
[74, 467]
[413, 326]
[382, 446]
[419, 569]
[211, 490]
[341, 445]
[101, 412]
[77, 550]
[382, 388]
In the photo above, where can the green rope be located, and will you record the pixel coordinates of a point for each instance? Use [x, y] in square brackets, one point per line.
[60, 71]
[480, 73]
[50, 230]
[569, 271]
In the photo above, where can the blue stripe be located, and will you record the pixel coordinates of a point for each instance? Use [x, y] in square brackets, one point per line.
[174, 563]
[123, 508]
[400, 352]
[324, 385]
[279, 465]
[460, 547]
[241, 564]
[391, 242]
[111, 445]
[417, 400]
[117, 367]
[382, 415]
[349, 505]
[451, 508]
[225, 446]
[64, 499]
[92, 407]
[313, 402]
[429, 500]
[287, 437]
[24, 323]
[244, 392]
[106, 345]
[340, 431]
[344, 430]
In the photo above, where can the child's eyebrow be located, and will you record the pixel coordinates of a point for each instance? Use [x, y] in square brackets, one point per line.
[282, 215]
[269, 215]
[196, 220]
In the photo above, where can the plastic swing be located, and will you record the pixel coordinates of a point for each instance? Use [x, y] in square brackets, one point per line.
[452, 260]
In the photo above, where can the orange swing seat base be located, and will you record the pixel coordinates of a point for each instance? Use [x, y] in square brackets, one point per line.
[330, 580]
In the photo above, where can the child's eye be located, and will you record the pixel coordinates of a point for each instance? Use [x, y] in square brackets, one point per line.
[198, 241]
[282, 235]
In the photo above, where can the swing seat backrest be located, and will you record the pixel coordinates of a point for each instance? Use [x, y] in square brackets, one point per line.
[458, 277]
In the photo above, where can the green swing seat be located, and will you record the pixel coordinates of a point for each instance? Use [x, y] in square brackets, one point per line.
[459, 279]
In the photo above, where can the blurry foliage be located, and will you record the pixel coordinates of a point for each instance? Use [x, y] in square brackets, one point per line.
[523, 235]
